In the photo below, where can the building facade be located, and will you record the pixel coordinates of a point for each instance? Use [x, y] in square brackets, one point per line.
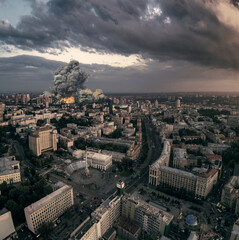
[7, 229]
[154, 221]
[44, 139]
[49, 208]
[200, 183]
[230, 192]
[9, 170]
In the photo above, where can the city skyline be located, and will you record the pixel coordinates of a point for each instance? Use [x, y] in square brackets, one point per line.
[146, 46]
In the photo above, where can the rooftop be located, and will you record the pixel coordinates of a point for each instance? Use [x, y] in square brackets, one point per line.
[164, 155]
[8, 165]
[128, 226]
[47, 199]
[152, 209]
[178, 171]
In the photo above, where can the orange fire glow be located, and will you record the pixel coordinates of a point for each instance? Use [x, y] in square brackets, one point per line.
[68, 100]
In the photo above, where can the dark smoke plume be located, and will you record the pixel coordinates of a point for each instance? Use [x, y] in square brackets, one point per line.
[69, 80]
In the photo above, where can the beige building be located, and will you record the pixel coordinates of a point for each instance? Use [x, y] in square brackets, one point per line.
[49, 208]
[235, 231]
[7, 229]
[9, 170]
[106, 214]
[154, 221]
[2, 108]
[230, 192]
[205, 182]
[102, 220]
[147, 216]
[172, 177]
[44, 139]
[199, 182]
[180, 158]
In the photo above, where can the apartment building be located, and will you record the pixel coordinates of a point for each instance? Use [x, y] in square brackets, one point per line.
[102, 219]
[235, 231]
[7, 229]
[42, 140]
[49, 208]
[180, 158]
[148, 216]
[205, 182]
[107, 213]
[199, 182]
[9, 170]
[2, 108]
[230, 192]
[175, 178]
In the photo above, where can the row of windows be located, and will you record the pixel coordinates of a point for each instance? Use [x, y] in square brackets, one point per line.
[51, 207]
[48, 218]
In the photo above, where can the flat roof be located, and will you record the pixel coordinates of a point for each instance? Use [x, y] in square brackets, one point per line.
[178, 171]
[152, 209]
[6, 165]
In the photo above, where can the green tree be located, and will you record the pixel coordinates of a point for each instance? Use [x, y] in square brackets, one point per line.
[45, 230]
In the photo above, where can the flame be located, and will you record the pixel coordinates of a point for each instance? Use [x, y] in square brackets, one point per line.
[68, 100]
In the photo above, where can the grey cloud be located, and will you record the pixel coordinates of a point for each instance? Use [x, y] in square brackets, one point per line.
[69, 80]
[169, 76]
[195, 34]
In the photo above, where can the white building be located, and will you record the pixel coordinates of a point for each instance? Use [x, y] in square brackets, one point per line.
[7, 229]
[49, 208]
[153, 220]
[95, 160]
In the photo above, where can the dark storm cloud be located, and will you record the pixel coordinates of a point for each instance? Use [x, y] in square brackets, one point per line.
[26, 73]
[185, 30]
[36, 74]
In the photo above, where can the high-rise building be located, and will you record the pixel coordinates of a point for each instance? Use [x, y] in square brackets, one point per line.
[2, 109]
[107, 214]
[28, 98]
[7, 229]
[23, 99]
[156, 104]
[154, 221]
[9, 170]
[44, 139]
[178, 103]
[49, 208]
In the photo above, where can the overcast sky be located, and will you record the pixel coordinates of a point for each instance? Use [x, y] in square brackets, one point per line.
[125, 45]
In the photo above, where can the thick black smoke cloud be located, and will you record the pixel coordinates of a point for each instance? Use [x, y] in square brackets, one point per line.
[184, 30]
[69, 80]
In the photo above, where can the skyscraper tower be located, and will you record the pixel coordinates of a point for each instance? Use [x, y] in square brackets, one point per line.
[178, 103]
[156, 104]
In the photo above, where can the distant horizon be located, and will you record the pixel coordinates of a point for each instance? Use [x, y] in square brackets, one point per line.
[131, 93]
